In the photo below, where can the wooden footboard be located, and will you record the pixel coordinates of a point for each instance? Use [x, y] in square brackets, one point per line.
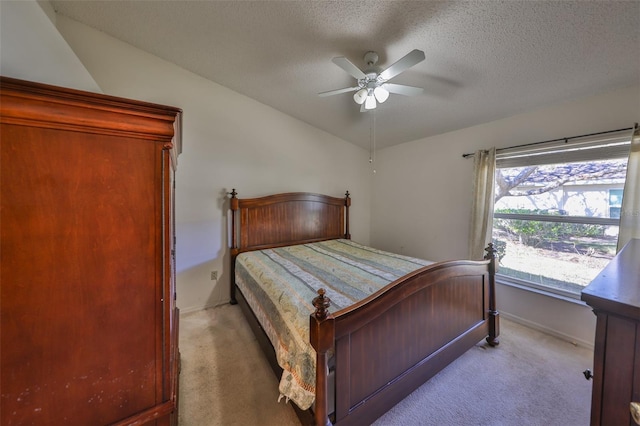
[392, 342]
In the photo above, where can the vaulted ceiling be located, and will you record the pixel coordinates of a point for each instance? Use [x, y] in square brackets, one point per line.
[485, 60]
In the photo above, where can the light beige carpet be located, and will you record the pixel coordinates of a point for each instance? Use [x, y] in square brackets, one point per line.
[530, 379]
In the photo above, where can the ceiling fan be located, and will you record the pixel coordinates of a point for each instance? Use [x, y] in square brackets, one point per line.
[373, 86]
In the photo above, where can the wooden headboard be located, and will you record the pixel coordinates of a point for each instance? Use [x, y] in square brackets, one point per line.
[285, 219]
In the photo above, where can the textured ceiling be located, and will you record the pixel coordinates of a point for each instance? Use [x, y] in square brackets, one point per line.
[485, 60]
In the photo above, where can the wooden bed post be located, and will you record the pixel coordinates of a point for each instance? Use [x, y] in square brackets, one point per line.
[494, 319]
[347, 204]
[322, 336]
[234, 244]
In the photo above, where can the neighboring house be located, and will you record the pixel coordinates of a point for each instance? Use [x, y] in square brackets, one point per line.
[599, 197]
[576, 199]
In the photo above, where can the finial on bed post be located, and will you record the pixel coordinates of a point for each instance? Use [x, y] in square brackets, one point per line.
[322, 338]
[321, 304]
[494, 319]
[347, 204]
[234, 244]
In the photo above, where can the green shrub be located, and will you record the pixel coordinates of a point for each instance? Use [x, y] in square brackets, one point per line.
[533, 233]
[501, 248]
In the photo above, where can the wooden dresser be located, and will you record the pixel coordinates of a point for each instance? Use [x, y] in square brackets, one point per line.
[89, 325]
[614, 296]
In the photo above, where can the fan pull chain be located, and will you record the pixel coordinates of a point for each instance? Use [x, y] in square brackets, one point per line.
[372, 140]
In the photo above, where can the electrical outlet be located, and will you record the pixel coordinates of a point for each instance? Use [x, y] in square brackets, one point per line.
[214, 275]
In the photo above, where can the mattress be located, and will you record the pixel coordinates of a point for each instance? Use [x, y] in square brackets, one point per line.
[279, 285]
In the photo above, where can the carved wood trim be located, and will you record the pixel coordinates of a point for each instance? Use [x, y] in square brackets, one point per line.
[38, 105]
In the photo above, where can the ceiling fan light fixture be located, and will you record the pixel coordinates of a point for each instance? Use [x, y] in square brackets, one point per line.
[372, 85]
[381, 94]
[370, 102]
[360, 96]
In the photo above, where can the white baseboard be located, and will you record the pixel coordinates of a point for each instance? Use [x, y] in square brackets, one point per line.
[547, 330]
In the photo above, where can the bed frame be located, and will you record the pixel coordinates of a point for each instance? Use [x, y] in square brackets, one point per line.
[387, 345]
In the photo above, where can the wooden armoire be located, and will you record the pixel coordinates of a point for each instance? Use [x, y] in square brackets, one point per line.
[89, 324]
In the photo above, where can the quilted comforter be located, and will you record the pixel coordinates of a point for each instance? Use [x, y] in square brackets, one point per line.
[279, 284]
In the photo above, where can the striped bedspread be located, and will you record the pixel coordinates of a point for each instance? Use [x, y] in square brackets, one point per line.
[279, 284]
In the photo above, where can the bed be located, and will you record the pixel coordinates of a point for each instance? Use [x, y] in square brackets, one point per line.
[405, 324]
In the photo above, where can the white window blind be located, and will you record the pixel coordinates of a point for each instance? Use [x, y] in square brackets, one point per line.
[600, 147]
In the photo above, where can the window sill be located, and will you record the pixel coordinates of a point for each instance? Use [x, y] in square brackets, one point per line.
[544, 291]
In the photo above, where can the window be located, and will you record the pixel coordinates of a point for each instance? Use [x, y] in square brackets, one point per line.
[615, 203]
[557, 212]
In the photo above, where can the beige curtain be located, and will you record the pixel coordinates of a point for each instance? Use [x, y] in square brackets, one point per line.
[484, 170]
[630, 211]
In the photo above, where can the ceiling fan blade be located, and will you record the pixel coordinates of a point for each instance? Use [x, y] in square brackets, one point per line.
[348, 66]
[409, 60]
[338, 91]
[401, 89]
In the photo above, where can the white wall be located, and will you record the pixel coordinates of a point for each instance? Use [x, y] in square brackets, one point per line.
[422, 194]
[32, 49]
[229, 141]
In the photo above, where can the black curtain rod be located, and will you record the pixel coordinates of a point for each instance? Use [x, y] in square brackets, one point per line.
[566, 140]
